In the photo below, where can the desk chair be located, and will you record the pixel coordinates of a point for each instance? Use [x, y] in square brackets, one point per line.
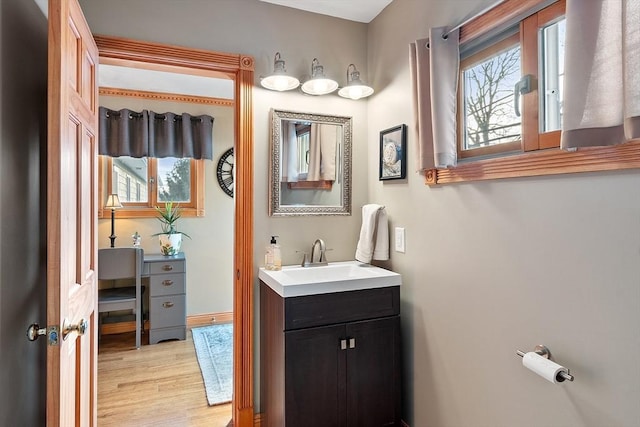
[121, 263]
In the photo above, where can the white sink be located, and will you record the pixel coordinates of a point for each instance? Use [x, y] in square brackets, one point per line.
[294, 281]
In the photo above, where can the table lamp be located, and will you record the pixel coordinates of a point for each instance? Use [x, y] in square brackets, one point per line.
[113, 203]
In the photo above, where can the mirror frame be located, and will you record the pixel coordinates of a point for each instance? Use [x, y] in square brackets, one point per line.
[240, 68]
[275, 208]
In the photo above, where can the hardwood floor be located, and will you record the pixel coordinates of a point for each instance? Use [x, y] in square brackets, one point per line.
[157, 385]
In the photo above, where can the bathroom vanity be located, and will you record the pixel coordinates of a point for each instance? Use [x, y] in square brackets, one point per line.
[330, 347]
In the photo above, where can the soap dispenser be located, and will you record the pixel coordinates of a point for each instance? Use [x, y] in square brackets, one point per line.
[273, 257]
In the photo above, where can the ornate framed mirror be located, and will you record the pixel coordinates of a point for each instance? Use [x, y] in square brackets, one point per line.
[310, 169]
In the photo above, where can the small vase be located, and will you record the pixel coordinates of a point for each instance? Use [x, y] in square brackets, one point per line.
[170, 244]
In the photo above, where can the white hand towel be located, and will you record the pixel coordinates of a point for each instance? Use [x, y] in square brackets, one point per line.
[381, 250]
[374, 234]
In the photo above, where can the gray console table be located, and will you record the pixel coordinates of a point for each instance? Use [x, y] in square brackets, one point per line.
[167, 296]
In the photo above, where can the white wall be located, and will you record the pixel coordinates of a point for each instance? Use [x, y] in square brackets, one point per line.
[492, 267]
[209, 252]
[489, 268]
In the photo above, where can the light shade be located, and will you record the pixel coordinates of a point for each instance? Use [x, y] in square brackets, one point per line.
[113, 202]
[355, 88]
[279, 80]
[318, 84]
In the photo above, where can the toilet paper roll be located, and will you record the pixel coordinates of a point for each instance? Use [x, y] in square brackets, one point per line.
[546, 368]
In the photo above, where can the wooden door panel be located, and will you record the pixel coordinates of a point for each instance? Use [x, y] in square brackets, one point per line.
[74, 49]
[89, 83]
[87, 217]
[71, 216]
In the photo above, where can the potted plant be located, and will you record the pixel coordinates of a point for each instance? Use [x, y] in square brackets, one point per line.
[170, 237]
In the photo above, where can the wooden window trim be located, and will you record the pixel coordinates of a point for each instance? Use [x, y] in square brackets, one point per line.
[500, 15]
[542, 162]
[195, 208]
[551, 161]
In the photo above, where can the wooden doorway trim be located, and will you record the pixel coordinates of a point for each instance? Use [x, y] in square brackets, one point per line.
[239, 68]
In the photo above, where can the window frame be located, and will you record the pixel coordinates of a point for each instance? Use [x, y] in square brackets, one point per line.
[541, 155]
[194, 208]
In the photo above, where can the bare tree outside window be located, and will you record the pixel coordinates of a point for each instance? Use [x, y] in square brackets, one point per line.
[490, 116]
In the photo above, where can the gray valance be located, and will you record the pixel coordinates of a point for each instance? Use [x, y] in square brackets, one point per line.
[150, 134]
[180, 135]
[123, 133]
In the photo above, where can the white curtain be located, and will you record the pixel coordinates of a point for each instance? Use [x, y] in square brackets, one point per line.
[289, 155]
[602, 65]
[315, 141]
[322, 152]
[435, 65]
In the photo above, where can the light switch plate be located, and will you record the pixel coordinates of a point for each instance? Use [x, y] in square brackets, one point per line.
[400, 239]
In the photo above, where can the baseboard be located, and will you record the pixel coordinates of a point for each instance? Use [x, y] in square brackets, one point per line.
[257, 421]
[209, 319]
[192, 322]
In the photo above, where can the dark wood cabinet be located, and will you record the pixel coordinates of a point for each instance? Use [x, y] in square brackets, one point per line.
[330, 359]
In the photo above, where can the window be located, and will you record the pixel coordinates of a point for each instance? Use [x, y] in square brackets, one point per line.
[501, 147]
[497, 97]
[143, 183]
[552, 72]
[491, 120]
[303, 134]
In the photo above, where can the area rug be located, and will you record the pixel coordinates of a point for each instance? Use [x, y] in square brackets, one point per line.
[214, 349]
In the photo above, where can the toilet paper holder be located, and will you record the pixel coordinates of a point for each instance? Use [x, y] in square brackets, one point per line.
[546, 353]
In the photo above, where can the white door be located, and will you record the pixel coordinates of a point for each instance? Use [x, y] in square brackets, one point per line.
[71, 218]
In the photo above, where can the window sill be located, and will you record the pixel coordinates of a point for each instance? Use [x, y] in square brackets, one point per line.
[310, 185]
[544, 162]
[146, 213]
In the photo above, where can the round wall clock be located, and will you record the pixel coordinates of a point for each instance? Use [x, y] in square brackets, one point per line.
[225, 172]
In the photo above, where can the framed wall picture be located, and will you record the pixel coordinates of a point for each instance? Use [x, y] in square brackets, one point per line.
[393, 153]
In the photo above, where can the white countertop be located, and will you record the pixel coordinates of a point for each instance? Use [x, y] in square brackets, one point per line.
[294, 280]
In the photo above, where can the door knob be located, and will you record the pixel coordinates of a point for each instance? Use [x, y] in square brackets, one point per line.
[80, 327]
[35, 331]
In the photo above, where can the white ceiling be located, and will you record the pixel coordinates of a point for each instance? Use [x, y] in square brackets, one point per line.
[353, 10]
[114, 76]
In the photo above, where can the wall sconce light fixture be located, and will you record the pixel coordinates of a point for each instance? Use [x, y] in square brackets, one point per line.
[318, 84]
[355, 88]
[113, 203]
[279, 80]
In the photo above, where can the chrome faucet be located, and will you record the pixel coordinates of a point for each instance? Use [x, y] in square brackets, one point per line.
[321, 261]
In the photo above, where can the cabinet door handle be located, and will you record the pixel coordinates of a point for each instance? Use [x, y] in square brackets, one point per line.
[343, 344]
[167, 267]
[167, 304]
[167, 282]
[352, 343]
